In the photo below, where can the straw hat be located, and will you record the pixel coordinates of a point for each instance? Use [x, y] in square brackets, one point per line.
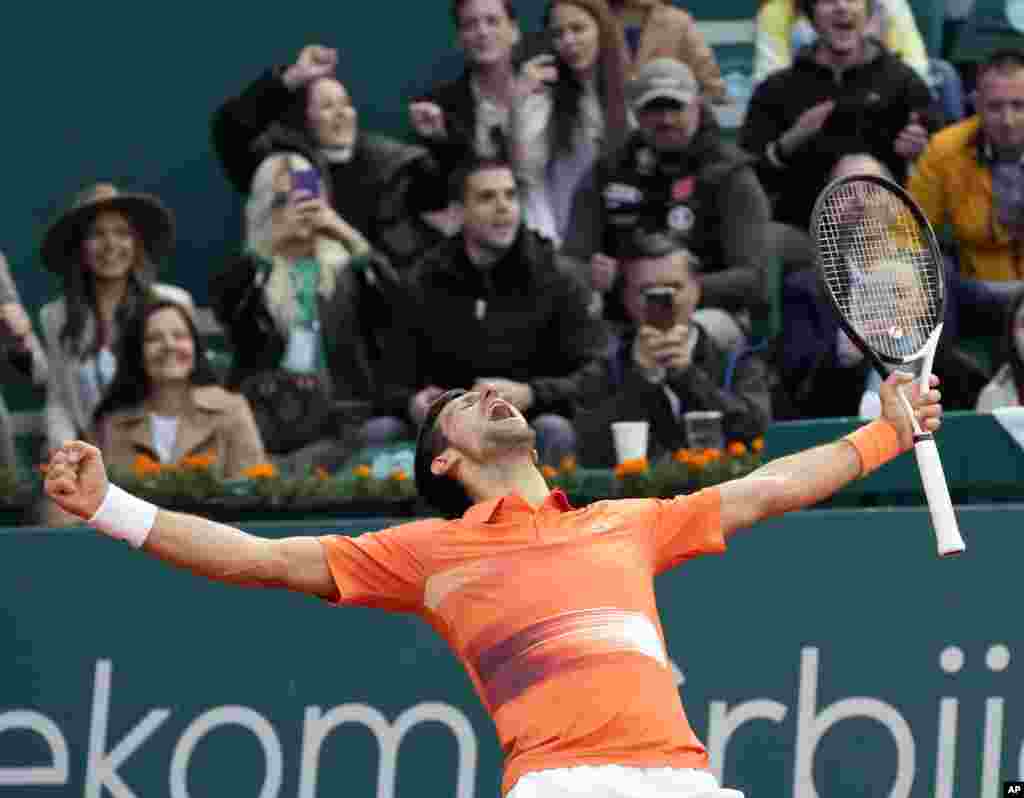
[151, 219]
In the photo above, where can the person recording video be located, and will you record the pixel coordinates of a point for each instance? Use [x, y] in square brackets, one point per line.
[667, 365]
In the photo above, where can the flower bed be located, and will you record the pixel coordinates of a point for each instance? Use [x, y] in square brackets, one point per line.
[193, 485]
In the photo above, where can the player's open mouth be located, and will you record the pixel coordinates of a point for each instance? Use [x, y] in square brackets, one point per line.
[500, 411]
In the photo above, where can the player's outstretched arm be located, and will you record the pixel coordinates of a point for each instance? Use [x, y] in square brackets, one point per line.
[806, 478]
[77, 481]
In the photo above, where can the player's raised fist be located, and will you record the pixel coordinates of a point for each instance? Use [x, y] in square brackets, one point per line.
[76, 479]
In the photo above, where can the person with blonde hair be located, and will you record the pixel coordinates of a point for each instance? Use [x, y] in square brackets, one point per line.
[297, 317]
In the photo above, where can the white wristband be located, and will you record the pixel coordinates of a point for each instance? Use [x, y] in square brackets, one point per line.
[124, 517]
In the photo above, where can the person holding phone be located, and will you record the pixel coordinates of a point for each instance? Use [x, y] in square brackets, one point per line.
[298, 344]
[666, 364]
[569, 109]
[676, 176]
[382, 187]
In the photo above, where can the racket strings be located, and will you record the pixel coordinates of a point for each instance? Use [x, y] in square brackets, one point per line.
[878, 266]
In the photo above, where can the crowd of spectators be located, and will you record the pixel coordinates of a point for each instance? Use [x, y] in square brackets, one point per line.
[565, 178]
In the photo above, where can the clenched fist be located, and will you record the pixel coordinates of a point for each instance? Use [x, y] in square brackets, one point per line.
[76, 479]
[314, 62]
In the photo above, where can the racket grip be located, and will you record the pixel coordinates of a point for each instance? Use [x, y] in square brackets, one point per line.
[947, 532]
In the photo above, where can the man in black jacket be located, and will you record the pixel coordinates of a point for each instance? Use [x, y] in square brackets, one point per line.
[380, 186]
[676, 176]
[666, 365]
[497, 304]
[470, 115]
[844, 94]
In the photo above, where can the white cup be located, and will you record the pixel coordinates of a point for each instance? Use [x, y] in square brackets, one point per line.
[630, 439]
[704, 429]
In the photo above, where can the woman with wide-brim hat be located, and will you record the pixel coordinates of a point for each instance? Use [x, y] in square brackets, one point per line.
[105, 248]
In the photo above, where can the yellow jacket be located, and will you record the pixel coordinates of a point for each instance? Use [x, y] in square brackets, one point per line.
[893, 23]
[953, 185]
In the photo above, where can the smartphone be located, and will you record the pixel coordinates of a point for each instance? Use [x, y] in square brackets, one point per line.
[660, 307]
[306, 182]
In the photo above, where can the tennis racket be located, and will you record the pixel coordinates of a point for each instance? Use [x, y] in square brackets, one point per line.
[883, 271]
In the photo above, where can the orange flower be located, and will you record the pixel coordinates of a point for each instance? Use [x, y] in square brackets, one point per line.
[737, 449]
[713, 454]
[549, 472]
[398, 475]
[632, 467]
[684, 456]
[199, 462]
[261, 471]
[568, 464]
[757, 445]
[145, 466]
[321, 473]
[362, 472]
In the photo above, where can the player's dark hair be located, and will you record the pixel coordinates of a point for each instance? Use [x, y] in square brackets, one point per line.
[444, 493]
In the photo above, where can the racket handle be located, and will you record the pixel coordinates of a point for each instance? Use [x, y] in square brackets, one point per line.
[947, 532]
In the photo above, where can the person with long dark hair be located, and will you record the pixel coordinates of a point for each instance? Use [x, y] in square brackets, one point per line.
[105, 249]
[570, 109]
[381, 186]
[165, 401]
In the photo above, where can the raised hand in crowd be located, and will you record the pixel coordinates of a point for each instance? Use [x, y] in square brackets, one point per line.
[15, 324]
[912, 140]
[807, 126]
[603, 271]
[428, 120]
[329, 222]
[537, 73]
[315, 61]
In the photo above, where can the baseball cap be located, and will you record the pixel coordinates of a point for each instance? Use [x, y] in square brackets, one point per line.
[662, 78]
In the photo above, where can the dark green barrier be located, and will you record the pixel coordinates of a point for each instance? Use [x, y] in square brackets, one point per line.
[828, 654]
[982, 462]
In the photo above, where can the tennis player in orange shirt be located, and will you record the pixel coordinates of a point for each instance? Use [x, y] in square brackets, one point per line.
[550, 609]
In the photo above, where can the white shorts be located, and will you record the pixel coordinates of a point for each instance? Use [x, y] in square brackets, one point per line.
[613, 781]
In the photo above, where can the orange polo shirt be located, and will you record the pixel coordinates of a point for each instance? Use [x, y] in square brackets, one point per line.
[552, 613]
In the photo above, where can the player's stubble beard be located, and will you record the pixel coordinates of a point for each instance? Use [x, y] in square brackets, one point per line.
[503, 438]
